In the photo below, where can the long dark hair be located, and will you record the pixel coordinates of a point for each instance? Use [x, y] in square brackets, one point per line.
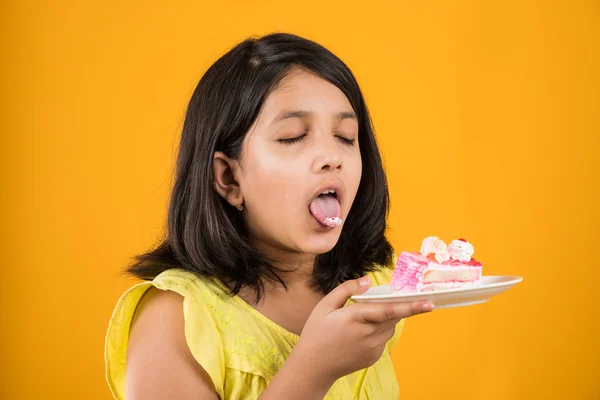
[205, 235]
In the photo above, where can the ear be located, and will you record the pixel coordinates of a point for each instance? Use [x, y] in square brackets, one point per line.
[225, 181]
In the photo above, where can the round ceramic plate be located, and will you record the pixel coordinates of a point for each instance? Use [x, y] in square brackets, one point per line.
[490, 286]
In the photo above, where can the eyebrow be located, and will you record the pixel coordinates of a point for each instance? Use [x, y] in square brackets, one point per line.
[303, 114]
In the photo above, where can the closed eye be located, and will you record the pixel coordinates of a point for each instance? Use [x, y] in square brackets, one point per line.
[347, 141]
[292, 140]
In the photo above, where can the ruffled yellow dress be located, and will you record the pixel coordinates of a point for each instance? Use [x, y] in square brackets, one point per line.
[240, 348]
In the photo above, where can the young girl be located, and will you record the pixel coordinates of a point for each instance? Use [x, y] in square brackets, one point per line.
[277, 216]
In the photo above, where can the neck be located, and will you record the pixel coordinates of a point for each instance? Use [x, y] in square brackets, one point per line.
[296, 268]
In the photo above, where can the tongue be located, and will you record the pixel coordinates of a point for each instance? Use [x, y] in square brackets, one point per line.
[326, 209]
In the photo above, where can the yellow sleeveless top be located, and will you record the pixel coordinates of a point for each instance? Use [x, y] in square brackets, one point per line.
[240, 348]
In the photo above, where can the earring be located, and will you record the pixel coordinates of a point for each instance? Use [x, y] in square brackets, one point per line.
[239, 207]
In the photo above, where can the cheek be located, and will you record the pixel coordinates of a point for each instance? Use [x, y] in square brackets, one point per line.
[272, 186]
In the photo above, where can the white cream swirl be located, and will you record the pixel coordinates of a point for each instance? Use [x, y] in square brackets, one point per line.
[433, 245]
[461, 250]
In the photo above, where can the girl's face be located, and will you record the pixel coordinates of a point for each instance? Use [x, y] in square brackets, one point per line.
[304, 142]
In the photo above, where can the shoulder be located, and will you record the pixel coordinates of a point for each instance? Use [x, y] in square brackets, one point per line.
[147, 347]
[159, 362]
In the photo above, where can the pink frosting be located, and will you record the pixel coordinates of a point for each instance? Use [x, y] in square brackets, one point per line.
[409, 271]
[411, 268]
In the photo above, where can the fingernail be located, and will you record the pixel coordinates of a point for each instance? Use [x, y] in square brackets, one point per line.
[428, 306]
[364, 281]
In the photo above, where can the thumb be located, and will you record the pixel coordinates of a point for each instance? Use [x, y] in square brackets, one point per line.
[338, 296]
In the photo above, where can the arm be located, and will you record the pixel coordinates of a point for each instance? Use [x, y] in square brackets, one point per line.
[159, 362]
[297, 381]
[337, 341]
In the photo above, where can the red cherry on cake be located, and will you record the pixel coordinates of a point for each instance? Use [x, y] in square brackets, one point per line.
[462, 240]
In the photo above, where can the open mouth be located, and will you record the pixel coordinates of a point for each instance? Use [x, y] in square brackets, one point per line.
[326, 208]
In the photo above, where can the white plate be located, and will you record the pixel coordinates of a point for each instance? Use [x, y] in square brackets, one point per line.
[491, 286]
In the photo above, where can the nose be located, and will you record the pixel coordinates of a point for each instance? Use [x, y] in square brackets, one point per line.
[327, 157]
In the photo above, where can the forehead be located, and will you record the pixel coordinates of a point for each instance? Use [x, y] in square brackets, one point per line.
[301, 89]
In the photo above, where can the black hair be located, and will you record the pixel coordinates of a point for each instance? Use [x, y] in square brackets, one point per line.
[205, 234]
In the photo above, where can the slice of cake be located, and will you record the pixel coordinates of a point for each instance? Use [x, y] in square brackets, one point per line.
[436, 267]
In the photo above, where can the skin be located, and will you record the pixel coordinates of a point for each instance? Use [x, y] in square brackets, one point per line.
[276, 180]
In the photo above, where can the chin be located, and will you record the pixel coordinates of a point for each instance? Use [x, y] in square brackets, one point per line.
[320, 243]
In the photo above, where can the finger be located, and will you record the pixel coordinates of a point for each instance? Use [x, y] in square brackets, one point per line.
[338, 296]
[388, 333]
[382, 312]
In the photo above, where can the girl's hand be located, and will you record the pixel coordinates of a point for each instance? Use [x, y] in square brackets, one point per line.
[338, 340]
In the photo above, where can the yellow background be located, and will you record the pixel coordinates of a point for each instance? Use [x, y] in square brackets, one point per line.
[487, 114]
